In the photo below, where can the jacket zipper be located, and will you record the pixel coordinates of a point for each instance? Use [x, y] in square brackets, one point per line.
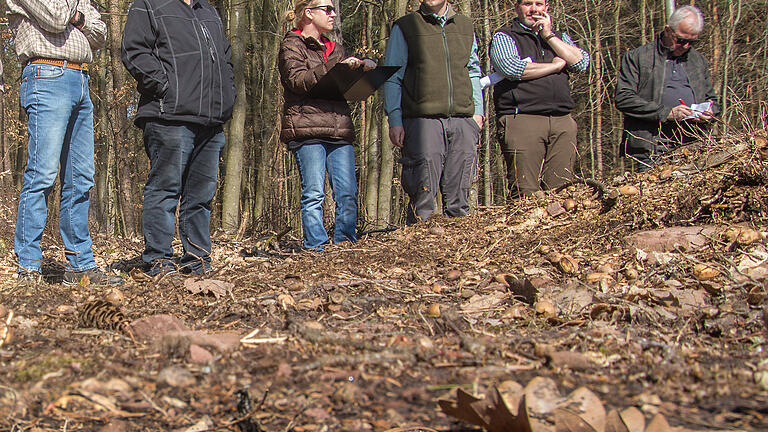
[448, 66]
[208, 41]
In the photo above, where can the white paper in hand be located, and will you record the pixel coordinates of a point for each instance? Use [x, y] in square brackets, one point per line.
[699, 108]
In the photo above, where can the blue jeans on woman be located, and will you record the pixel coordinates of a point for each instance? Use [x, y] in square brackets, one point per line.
[60, 124]
[339, 160]
[183, 168]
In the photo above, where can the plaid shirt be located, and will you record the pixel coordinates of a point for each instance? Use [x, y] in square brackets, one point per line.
[42, 29]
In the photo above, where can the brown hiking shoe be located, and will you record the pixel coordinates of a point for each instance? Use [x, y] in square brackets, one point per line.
[95, 277]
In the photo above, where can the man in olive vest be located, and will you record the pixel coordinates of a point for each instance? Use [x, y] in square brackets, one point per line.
[533, 102]
[434, 104]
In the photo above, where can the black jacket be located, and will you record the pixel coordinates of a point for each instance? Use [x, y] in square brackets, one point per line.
[547, 95]
[181, 59]
[639, 92]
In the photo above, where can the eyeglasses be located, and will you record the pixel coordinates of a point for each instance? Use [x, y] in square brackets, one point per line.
[683, 41]
[328, 9]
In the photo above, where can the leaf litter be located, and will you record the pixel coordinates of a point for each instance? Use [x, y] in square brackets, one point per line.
[634, 304]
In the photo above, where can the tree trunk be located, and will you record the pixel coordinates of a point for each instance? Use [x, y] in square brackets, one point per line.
[486, 197]
[230, 197]
[119, 119]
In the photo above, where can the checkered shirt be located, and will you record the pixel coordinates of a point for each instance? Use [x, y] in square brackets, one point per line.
[42, 29]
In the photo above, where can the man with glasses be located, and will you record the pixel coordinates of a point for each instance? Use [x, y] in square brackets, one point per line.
[665, 91]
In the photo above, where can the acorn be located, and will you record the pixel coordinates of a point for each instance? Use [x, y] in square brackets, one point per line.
[631, 273]
[704, 272]
[286, 300]
[453, 275]
[570, 205]
[115, 296]
[748, 236]
[568, 265]
[545, 308]
[433, 310]
[629, 190]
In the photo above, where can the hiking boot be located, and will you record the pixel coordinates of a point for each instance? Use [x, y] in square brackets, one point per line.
[95, 277]
[29, 278]
[160, 267]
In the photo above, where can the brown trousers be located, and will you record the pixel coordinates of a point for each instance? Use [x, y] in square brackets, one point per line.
[539, 151]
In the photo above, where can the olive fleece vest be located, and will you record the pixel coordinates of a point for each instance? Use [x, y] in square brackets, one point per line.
[548, 95]
[436, 81]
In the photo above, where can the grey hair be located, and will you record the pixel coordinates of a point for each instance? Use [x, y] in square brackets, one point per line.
[682, 13]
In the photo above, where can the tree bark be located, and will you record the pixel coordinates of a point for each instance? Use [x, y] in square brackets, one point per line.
[119, 118]
[230, 197]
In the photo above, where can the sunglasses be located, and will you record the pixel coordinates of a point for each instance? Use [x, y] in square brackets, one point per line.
[683, 41]
[328, 9]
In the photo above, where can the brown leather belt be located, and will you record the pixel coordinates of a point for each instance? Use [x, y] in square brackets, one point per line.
[62, 63]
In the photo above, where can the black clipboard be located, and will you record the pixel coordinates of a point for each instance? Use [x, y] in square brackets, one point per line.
[344, 83]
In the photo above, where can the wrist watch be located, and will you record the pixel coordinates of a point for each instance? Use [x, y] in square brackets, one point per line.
[551, 35]
[80, 20]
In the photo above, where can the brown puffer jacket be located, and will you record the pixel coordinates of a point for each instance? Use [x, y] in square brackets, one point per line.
[301, 64]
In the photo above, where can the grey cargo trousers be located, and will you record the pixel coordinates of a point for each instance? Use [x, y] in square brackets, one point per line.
[438, 154]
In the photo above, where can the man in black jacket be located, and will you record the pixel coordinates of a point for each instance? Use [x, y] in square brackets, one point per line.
[180, 56]
[533, 103]
[665, 91]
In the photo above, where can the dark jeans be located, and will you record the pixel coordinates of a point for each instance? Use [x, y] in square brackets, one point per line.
[184, 165]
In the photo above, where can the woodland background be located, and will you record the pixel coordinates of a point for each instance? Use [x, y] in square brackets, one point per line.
[259, 184]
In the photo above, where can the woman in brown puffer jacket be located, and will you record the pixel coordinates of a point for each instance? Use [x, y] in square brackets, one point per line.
[320, 132]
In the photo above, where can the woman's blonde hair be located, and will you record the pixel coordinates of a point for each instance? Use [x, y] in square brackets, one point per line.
[296, 15]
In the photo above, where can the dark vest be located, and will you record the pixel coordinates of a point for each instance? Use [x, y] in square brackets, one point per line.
[436, 81]
[548, 95]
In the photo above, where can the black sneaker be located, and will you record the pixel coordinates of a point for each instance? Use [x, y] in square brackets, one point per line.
[29, 278]
[160, 267]
[95, 277]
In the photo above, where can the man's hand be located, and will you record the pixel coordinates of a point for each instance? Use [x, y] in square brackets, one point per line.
[397, 135]
[77, 20]
[559, 62]
[705, 116]
[679, 112]
[543, 23]
[479, 120]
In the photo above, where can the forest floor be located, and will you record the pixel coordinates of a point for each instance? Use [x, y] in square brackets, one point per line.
[648, 291]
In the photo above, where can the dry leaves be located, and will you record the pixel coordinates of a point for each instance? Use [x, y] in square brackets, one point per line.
[208, 286]
[539, 407]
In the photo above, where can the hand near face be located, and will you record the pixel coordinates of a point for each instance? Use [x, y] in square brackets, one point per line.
[543, 23]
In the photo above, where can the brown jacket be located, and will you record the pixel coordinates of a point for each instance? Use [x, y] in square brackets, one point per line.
[302, 62]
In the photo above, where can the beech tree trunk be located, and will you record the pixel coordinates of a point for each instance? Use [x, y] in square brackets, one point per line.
[230, 197]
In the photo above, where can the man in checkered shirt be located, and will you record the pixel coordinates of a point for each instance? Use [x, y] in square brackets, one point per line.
[533, 100]
[54, 41]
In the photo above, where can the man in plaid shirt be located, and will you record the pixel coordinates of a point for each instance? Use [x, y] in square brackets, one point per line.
[533, 102]
[54, 41]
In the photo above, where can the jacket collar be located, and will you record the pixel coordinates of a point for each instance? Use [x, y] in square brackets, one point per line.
[517, 26]
[666, 52]
[431, 17]
[324, 44]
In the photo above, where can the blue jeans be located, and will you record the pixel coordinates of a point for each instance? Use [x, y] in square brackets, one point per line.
[313, 161]
[60, 125]
[183, 167]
